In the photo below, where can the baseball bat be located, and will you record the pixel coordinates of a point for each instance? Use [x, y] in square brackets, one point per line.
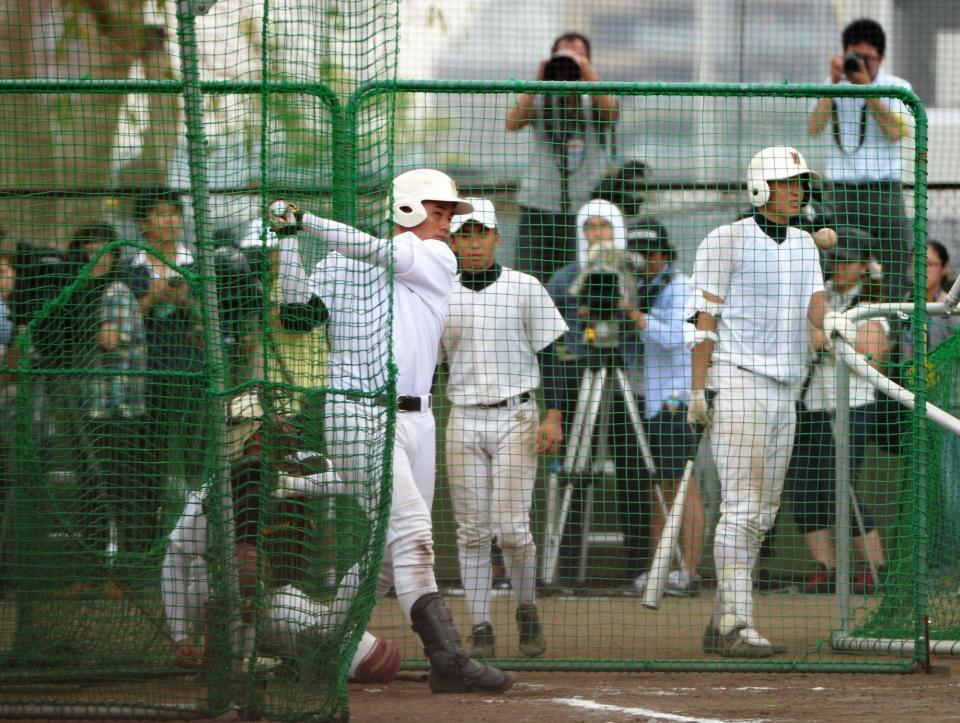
[660, 569]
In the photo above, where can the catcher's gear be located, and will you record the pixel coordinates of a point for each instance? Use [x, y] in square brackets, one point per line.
[452, 670]
[698, 413]
[412, 188]
[381, 664]
[775, 163]
[247, 569]
[284, 218]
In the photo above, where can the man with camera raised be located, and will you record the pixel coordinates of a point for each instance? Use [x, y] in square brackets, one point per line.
[864, 176]
[568, 155]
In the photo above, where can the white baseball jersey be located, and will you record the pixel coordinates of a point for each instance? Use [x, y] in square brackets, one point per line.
[356, 293]
[766, 289]
[492, 337]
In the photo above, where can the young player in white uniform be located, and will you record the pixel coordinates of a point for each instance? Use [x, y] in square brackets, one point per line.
[498, 322]
[293, 620]
[354, 283]
[757, 281]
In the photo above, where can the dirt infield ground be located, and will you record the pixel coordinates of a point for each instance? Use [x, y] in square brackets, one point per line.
[728, 697]
[620, 628]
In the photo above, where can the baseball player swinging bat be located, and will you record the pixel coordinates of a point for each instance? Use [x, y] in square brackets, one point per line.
[660, 569]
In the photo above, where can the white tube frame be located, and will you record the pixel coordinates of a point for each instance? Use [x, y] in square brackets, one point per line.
[849, 361]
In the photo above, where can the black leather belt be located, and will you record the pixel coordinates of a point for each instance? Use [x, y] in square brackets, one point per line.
[413, 404]
[509, 402]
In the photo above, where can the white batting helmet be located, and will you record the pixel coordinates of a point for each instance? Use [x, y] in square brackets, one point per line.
[412, 188]
[775, 163]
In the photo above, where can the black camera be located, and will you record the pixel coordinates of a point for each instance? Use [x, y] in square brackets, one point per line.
[605, 285]
[852, 63]
[42, 274]
[561, 66]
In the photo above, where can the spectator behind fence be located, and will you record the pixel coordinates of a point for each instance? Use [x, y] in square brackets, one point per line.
[567, 156]
[665, 302]
[600, 228]
[175, 393]
[811, 476]
[939, 328]
[499, 323]
[864, 177]
[122, 487]
[8, 360]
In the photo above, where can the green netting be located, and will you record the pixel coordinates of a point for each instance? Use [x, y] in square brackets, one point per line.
[186, 390]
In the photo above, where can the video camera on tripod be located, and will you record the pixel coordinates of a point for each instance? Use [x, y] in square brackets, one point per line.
[605, 286]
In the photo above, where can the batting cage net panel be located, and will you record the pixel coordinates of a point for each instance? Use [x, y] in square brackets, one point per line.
[649, 453]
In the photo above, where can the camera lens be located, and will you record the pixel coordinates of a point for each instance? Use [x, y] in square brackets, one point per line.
[852, 63]
[561, 67]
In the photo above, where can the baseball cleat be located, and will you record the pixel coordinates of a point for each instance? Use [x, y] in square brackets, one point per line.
[680, 584]
[482, 643]
[531, 633]
[741, 642]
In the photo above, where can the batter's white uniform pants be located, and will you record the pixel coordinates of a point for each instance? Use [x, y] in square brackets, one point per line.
[290, 614]
[356, 435]
[754, 418]
[491, 468]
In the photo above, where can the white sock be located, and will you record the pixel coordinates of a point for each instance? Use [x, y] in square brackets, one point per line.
[477, 574]
[521, 564]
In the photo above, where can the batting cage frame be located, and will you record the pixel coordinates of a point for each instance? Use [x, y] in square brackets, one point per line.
[237, 675]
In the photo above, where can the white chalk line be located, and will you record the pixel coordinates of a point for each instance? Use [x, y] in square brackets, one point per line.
[647, 712]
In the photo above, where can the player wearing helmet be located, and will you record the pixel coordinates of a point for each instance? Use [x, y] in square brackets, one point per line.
[355, 282]
[757, 285]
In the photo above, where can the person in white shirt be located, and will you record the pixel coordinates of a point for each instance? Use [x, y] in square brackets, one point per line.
[757, 285]
[864, 178]
[811, 476]
[355, 281]
[499, 321]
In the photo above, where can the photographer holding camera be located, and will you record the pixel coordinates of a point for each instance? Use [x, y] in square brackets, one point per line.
[568, 156]
[864, 176]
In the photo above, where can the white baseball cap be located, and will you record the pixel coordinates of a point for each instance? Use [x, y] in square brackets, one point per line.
[482, 213]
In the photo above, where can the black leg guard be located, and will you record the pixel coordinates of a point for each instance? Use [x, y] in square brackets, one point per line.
[452, 670]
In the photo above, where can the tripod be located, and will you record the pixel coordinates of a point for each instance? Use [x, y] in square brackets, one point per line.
[587, 449]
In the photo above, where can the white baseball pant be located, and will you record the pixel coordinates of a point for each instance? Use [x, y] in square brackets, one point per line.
[492, 467]
[290, 614]
[752, 436]
[355, 439]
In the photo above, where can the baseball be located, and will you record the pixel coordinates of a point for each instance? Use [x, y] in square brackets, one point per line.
[825, 239]
[279, 208]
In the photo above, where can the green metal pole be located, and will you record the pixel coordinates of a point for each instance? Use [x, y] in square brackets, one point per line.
[223, 571]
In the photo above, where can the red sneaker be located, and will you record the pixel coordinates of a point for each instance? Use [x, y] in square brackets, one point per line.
[864, 583]
[820, 582]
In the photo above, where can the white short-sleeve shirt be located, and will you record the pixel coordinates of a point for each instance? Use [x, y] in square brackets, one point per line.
[822, 392]
[766, 290]
[357, 296]
[492, 337]
[864, 153]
